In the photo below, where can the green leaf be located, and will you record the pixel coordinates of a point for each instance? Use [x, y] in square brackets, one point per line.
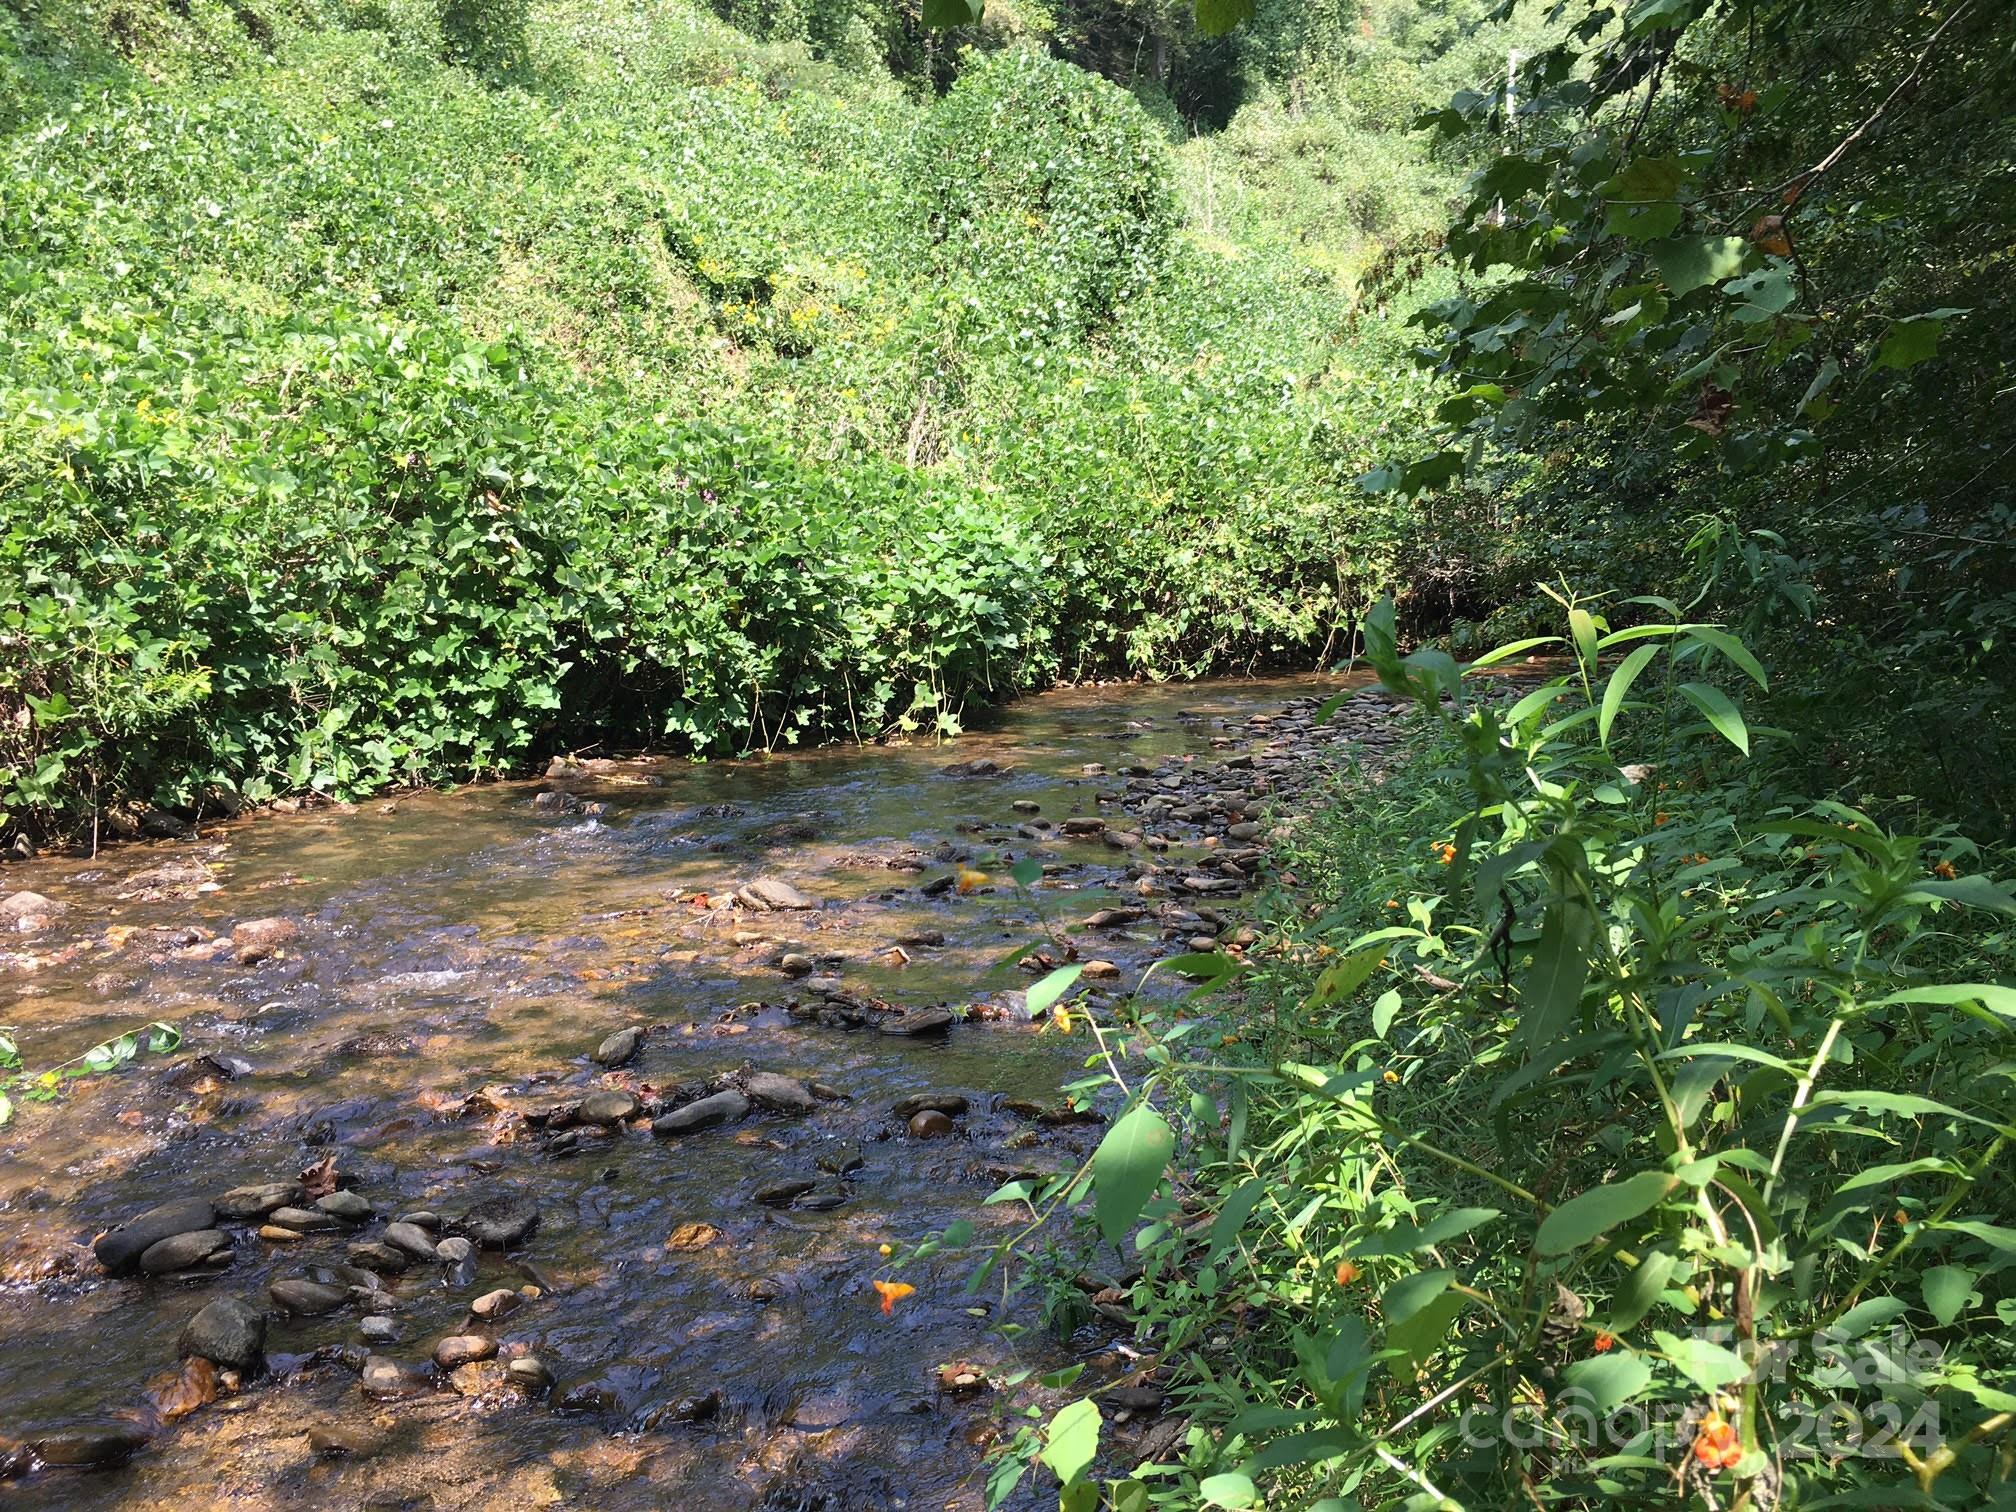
[1384, 1011]
[1127, 1167]
[1217, 17]
[1902, 1104]
[1720, 713]
[1027, 872]
[1610, 1380]
[1993, 1234]
[945, 14]
[1342, 978]
[1946, 1289]
[1687, 263]
[1046, 992]
[1072, 1439]
[1619, 685]
[1864, 1316]
[1229, 1490]
[1232, 1217]
[1423, 1332]
[1641, 1289]
[1765, 293]
[1410, 1294]
[1582, 625]
[1715, 637]
[1552, 986]
[1708, 1366]
[1910, 342]
[1591, 1214]
[1127, 1496]
[1404, 1238]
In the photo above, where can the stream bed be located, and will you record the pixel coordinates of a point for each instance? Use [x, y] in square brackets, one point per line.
[392, 1011]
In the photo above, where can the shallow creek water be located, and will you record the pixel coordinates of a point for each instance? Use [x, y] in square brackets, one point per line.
[459, 956]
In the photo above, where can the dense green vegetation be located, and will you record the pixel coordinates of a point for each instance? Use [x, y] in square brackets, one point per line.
[371, 417]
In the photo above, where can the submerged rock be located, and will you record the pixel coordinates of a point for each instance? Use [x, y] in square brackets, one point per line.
[780, 1094]
[90, 1446]
[229, 1332]
[247, 1202]
[930, 1124]
[306, 1299]
[387, 1379]
[461, 1349]
[253, 940]
[608, 1108]
[501, 1222]
[951, 1103]
[25, 912]
[919, 1021]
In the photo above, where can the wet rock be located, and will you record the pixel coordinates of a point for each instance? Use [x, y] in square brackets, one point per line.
[950, 1103]
[938, 886]
[796, 964]
[918, 1021]
[304, 1220]
[229, 1332]
[840, 1160]
[90, 1446]
[556, 802]
[462, 1349]
[1121, 840]
[25, 912]
[273, 1233]
[204, 1249]
[378, 1329]
[331, 1440]
[782, 1193]
[501, 1222]
[306, 1299]
[1244, 830]
[606, 1109]
[768, 895]
[386, 1380]
[384, 1258]
[588, 1396]
[930, 1124]
[478, 1378]
[411, 1239]
[922, 937]
[253, 940]
[618, 1049]
[1084, 824]
[686, 1409]
[119, 1250]
[706, 1113]
[689, 1237]
[529, 1373]
[1100, 971]
[347, 1206]
[822, 1198]
[780, 1094]
[1026, 806]
[496, 1305]
[454, 1250]
[981, 766]
[247, 1202]
[422, 1218]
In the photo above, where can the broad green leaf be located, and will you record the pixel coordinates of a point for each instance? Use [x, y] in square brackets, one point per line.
[1126, 1168]
[1072, 1439]
[1890, 1175]
[1404, 1238]
[1027, 872]
[1874, 1313]
[1723, 715]
[1384, 1011]
[1582, 624]
[1410, 1294]
[1910, 342]
[1423, 1333]
[1342, 978]
[1988, 1233]
[1127, 1496]
[1591, 1214]
[1046, 992]
[1641, 1289]
[1763, 294]
[1902, 1104]
[1973, 891]
[1997, 999]
[1511, 649]
[1610, 1380]
[1687, 263]
[1946, 1289]
[1708, 1366]
[944, 14]
[1619, 686]
[1230, 1490]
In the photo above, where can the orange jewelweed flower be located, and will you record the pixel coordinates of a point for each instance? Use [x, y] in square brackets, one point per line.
[1346, 1273]
[1392, 1076]
[1604, 1343]
[970, 880]
[1446, 852]
[891, 1293]
[1946, 871]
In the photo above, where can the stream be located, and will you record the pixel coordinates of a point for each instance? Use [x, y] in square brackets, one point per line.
[403, 1027]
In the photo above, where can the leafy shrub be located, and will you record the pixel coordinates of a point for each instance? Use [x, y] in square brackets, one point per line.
[1617, 1119]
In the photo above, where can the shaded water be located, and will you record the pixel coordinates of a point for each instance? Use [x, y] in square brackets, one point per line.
[454, 943]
